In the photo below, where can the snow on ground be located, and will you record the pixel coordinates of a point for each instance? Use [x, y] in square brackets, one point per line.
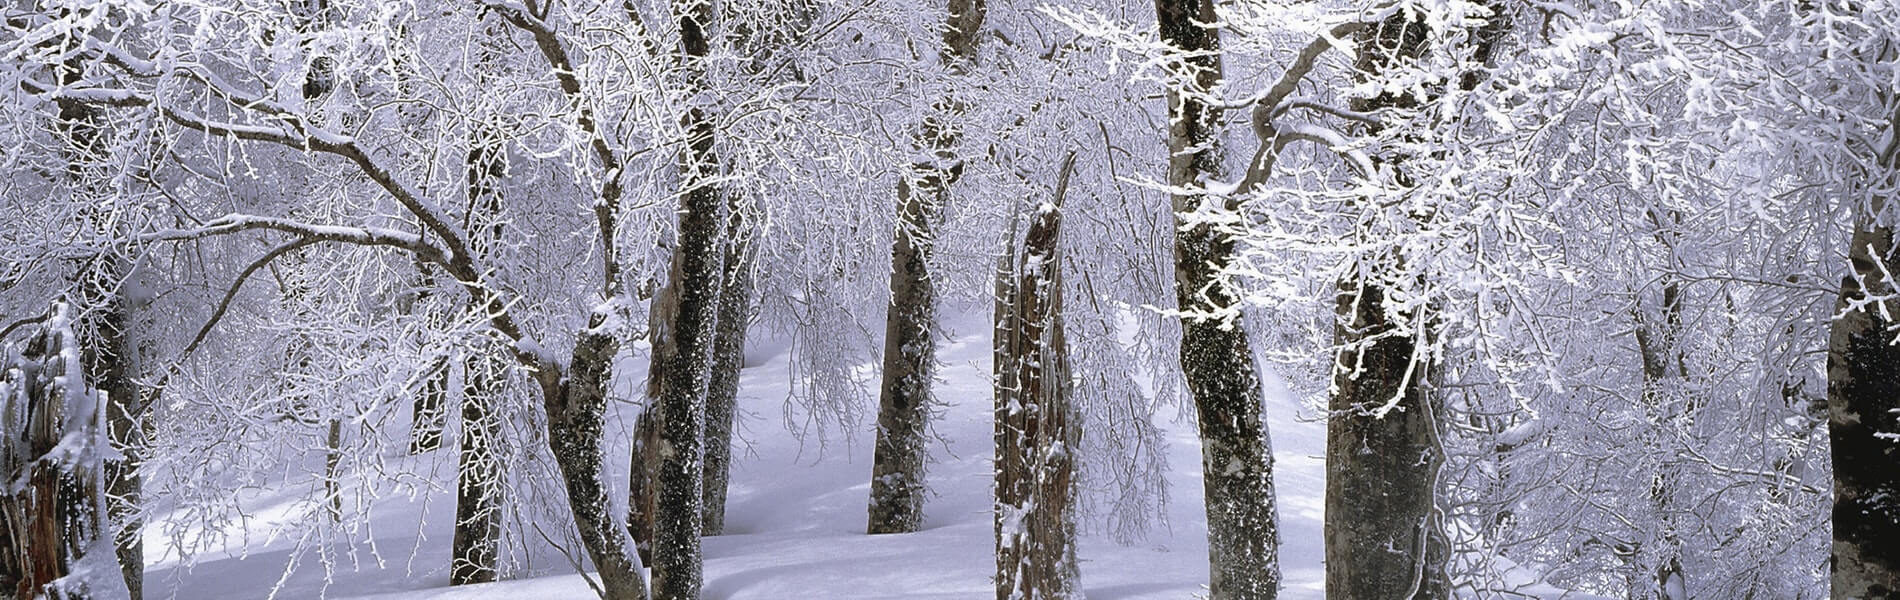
[796, 518]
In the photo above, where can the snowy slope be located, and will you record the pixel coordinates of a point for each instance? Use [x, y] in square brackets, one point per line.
[796, 519]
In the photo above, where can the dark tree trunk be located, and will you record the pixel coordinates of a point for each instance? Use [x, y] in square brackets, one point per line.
[722, 389]
[475, 547]
[910, 325]
[643, 480]
[477, 539]
[683, 348]
[109, 355]
[1665, 372]
[1036, 425]
[1216, 355]
[333, 468]
[910, 356]
[1863, 393]
[1384, 534]
[431, 409]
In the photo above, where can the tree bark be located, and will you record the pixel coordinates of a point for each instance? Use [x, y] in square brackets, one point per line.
[1384, 533]
[683, 348]
[722, 390]
[1665, 374]
[50, 511]
[910, 356]
[1036, 425]
[431, 408]
[1863, 393]
[1216, 355]
[576, 403]
[910, 324]
[475, 547]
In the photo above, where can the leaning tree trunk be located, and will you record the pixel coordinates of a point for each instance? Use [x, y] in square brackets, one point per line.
[910, 325]
[1037, 429]
[1863, 394]
[1384, 534]
[576, 404]
[722, 388]
[1216, 356]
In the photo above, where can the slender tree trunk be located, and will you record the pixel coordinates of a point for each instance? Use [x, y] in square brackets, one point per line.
[1216, 355]
[1863, 393]
[1384, 532]
[1036, 425]
[333, 468]
[910, 325]
[1665, 374]
[475, 547]
[431, 410]
[643, 480]
[722, 393]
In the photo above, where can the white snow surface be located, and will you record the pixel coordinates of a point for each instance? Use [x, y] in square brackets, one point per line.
[796, 515]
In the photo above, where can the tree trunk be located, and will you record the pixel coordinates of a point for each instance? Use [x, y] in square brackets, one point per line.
[474, 551]
[1036, 425]
[576, 403]
[683, 348]
[1384, 533]
[1665, 373]
[910, 356]
[50, 511]
[722, 390]
[333, 468]
[431, 408]
[108, 355]
[910, 325]
[477, 539]
[1863, 394]
[1216, 356]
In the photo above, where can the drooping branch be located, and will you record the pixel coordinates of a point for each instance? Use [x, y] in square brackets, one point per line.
[237, 284]
[453, 255]
[561, 63]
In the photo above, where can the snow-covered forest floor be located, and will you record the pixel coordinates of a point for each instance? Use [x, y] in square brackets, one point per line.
[795, 525]
[796, 516]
